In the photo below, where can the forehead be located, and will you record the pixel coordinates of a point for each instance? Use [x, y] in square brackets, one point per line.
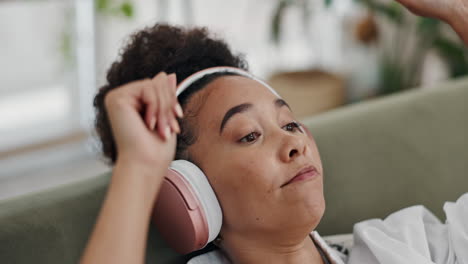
[228, 91]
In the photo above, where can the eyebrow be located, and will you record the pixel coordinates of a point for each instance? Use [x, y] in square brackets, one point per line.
[245, 107]
[280, 102]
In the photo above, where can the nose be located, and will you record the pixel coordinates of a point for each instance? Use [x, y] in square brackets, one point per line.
[292, 146]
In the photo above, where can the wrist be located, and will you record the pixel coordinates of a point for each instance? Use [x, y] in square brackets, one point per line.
[141, 171]
[130, 177]
[144, 164]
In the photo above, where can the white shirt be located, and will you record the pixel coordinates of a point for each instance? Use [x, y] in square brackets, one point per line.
[414, 235]
[217, 257]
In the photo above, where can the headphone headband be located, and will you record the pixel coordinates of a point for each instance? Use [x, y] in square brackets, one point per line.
[223, 69]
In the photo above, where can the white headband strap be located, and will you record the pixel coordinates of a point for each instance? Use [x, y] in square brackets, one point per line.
[224, 69]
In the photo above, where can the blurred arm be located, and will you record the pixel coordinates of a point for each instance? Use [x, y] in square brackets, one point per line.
[454, 12]
[459, 21]
[120, 233]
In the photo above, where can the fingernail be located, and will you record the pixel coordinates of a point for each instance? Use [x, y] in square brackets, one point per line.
[179, 111]
[167, 132]
[152, 123]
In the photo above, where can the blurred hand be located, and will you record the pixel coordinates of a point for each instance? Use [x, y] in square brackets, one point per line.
[430, 8]
[454, 12]
[143, 119]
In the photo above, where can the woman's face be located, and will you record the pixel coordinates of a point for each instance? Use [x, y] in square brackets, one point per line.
[249, 149]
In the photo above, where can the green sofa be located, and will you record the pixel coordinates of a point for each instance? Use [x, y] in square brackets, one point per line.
[379, 156]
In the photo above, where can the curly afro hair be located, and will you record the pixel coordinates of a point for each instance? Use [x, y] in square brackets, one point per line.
[171, 49]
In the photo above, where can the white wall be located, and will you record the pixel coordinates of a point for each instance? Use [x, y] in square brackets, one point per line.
[30, 35]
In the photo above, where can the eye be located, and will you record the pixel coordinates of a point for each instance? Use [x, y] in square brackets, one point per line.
[250, 137]
[292, 127]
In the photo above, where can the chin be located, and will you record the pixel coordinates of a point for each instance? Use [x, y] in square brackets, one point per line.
[309, 192]
[316, 208]
[314, 203]
[307, 209]
[305, 220]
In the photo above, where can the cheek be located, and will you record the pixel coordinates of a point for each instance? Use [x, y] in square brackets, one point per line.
[315, 152]
[244, 178]
[248, 172]
[244, 190]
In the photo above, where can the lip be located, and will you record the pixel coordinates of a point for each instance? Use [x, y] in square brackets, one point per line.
[306, 173]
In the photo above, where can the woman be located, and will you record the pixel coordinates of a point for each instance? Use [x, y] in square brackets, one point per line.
[245, 140]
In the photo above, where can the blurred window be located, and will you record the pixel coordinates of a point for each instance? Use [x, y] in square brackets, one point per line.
[47, 71]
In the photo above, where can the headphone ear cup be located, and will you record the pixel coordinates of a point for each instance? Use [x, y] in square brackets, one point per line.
[187, 212]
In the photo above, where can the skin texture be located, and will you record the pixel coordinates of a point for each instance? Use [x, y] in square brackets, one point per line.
[119, 235]
[263, 222]
[459, 21]
[454, 12]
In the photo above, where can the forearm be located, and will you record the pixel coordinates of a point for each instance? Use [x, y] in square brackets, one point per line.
[121, 229]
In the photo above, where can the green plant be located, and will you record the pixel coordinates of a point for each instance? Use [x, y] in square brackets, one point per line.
[396, 71]
[66, 45]
[282, 7]
[115, 8]
[454, 53]
[396, 74]
[105, 7]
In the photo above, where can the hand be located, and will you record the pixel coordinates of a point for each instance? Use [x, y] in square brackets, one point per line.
[454, 12]
[143, 119]
[430, 8]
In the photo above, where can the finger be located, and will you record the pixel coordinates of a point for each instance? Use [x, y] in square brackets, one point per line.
[171, 114]
[172, 79]
[175, 126]
[160, 85]
[169, 98]
[164, 129]
[150, 116]
[150, 101]
[178, 110]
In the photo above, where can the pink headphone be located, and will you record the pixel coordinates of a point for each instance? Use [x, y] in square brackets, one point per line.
[187, 212]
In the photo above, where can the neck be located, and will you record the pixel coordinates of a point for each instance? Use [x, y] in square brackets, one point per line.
[244, 250]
